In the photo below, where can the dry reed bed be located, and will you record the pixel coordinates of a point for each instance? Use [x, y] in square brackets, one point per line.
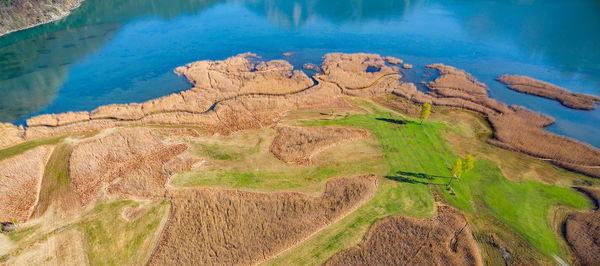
[515, 128]
[445, 239]
[20, 179]
[544, 89]
[298, 144]
[582, 232]
[129, 163]
[230, 227]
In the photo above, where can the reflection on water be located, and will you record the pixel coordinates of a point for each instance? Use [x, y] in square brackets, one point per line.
[116, 51]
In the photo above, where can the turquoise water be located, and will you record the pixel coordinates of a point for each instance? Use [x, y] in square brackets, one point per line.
[119, 51]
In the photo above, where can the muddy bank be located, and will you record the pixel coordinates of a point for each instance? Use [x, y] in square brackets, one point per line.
[544, 89]
[230, 227]
[17, 15]
[445, 239]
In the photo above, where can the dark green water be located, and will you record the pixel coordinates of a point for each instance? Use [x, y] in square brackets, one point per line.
[119, 51]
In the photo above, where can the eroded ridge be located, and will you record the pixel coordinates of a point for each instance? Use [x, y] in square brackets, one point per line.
[544, 89]
[130, 163]
[515, 128]
[298, 144]
[230, 227]
[582, 231]
[445, 239]
[20, 179]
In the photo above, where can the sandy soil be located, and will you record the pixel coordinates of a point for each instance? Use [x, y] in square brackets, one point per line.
[298, 144]
[544, 89]
[442, 240]
[241, 228]
[21, 177]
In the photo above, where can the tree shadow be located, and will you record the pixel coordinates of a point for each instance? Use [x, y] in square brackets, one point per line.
[417, 178]
[390, 120]
[397, 121]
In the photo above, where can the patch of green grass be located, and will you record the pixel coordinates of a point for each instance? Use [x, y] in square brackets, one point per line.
[418, 158]
[111, 240]
[19, 235]
[56, 182]
[25, 146]
[225, 152]
[524, 206]
[273, 180]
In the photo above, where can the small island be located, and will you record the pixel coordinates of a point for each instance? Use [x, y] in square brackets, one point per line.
[550, 91]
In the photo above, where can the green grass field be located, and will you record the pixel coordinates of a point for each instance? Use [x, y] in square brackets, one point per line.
[413, 159]
[418, 159]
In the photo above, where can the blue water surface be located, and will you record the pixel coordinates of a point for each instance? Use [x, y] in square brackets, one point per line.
[120, 51]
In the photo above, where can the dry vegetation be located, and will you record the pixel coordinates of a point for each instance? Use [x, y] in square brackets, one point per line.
[543, 89]
[297, 145]
[20, 179]
[445, 239]
[236, 227]
[130, 163]
[582, 231]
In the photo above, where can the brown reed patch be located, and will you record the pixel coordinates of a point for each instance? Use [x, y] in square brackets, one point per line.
[230, 227]
[445, 239]
[20, 180]
[544, 89]
[582, 231]
[130, 163]
[298, 144]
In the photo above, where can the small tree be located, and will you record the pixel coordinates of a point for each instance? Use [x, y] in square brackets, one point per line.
[456, 170]
[425, 112]
[468, 163]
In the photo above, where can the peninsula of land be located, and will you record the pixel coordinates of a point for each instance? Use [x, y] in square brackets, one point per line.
[258, 163]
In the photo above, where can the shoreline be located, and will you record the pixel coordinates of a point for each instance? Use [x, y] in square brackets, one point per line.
[242, 92]
[62, 14]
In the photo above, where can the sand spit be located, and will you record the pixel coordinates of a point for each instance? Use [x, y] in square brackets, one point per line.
[544, 89]
[243, 92]
[515, 128]
[445, 239]
[20, 179]
[130, 163]
[230, 227]
[298, 144]
[583, 232]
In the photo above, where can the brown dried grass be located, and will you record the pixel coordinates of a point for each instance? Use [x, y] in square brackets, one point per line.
[232, 227]
[298, 144]
[445, 239]
[544, 89]
[130, 163]
[582, 231]
[20, 180]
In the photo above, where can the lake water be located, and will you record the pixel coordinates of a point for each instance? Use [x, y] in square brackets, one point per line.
[120, 51]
